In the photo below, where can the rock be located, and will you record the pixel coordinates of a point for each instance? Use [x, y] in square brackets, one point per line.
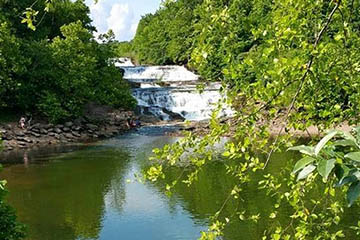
[78, 121]
[7, 137]
[52, 134]
[92, 126]
[43, 131]
[20, 134]
[173, 115]
[68, 124]
[50, 130]
[36, 125]
[22, 144]
[90, 131]
[76, 128]
[35, 130]
[59, 126]
[66, 129]
[69, 135]
[28, 140]
[57, 130]
[76, 134]
[48, 126]
[35, 134]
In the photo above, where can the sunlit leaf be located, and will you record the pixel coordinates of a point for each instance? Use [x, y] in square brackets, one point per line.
[306, 172]
[303, 149]
[345, 143]
[324, 141]
[325, 167]
[303, 163]
[355, 156]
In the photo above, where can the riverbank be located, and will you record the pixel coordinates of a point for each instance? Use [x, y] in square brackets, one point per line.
[99, 122]
[202, 128]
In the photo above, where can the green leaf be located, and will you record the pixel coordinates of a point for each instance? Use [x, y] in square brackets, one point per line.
[341, 171]
[350, 137]
[353, 192]
[303, 163]
[303, 149]
[346, 180]
[306, 172]
[345, 143]
[355, 156]
[324, 141]
[357, 131]
[325, 167]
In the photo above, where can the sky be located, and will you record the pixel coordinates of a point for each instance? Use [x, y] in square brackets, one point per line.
[122, 16]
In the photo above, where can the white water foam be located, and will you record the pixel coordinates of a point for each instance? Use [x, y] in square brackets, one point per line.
[179, 96]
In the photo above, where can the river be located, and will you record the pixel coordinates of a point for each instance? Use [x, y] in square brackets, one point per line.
[91, 192]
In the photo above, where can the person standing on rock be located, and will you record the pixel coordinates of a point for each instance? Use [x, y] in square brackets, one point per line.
[22, 123]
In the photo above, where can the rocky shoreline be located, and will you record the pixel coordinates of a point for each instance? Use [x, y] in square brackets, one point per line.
[80, 130]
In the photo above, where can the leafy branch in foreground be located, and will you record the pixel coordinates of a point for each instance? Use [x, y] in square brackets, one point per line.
[336, 155]
[298, 64]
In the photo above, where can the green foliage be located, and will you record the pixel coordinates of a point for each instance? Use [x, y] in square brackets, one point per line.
[124, 49]
[166, 36]
[289, 63]
[11, 63]
[10, 229]
[338, 158]
[81, 72]
[58, 68]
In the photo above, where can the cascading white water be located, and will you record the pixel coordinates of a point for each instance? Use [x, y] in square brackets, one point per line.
[170, 91]
[159, 73]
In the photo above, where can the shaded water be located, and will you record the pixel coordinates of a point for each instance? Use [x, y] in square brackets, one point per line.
[89, 192]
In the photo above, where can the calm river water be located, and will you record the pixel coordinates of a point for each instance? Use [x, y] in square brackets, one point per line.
[90, 192]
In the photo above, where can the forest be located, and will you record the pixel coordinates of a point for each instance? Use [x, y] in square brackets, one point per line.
[54, 66]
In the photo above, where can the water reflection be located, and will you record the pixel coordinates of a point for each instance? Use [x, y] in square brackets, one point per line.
[83, 193]
[65, 196]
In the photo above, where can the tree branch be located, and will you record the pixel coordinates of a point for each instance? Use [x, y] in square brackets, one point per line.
[302, 81]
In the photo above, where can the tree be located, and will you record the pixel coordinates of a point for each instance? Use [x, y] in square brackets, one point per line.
[166, 37]
[59, 67]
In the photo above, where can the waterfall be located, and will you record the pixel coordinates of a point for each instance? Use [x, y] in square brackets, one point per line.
[169, 92]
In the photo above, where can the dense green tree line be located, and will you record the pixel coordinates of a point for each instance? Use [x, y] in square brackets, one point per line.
[166, 36]
[58, 68]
